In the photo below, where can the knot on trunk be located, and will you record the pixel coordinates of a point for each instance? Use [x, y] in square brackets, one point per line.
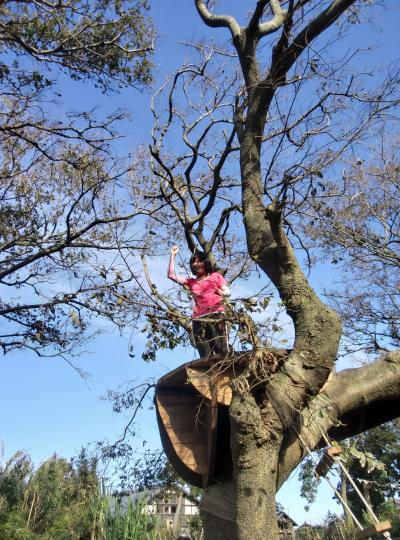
[240, 386]
[393, 357]
[247, 421]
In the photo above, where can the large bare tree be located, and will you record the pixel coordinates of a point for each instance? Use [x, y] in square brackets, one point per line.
[263, 142]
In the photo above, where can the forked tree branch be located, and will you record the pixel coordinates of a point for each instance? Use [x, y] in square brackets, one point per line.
[352, 401]
[276, 22]
[217, 21]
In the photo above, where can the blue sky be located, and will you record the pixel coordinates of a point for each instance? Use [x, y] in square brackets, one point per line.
[46, 407]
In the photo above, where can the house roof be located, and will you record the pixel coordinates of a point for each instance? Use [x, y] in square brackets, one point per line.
[149, 494]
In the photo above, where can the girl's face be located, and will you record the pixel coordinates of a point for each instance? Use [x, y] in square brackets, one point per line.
[198, 267]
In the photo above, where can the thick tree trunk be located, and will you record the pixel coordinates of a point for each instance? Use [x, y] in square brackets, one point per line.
[243, 508]
[287, 415]
[230, 509]
[352, 401]
[217, 528]
[256, 434]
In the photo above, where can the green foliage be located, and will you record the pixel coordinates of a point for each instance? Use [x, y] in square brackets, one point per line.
[125, 523]
[335, 528]
[14, 475]
[389, 511]
[162, 334]
[52, 502]
[309, 482]
[195, 528]
[103, 41]
[332, 528]
[61, 500]
[365, 459]
[14, 527]
[374, 458]
[379, 466]
[58, 497]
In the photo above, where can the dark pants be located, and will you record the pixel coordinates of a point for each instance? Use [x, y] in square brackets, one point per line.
[210, 335]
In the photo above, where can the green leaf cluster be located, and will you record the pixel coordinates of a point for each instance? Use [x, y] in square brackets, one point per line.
[102, 41]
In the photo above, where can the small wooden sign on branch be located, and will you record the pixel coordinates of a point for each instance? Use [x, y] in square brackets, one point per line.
[327, 460]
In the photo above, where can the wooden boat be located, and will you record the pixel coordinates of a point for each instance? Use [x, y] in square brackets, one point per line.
[192, 413]
[192, 405]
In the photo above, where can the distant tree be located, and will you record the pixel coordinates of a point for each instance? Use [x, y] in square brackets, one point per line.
[372, 461]
[62, 220]
[378, 484]
[332, 528]
[389, 510]
[56, 500]
[14, 476]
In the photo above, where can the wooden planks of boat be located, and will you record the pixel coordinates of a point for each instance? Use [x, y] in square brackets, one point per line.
[187, 400]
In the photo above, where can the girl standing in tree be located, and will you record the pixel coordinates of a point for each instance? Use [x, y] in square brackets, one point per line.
[208, 289]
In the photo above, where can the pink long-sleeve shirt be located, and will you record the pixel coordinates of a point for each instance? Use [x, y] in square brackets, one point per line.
[207, 294]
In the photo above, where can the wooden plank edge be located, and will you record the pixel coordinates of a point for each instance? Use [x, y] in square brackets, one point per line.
[376, 528]
[327, 460]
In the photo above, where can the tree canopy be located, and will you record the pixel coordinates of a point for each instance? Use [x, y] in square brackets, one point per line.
[62, 217]
[107, 42]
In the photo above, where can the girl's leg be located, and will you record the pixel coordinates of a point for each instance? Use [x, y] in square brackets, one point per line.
[218, 334]
[201, 337]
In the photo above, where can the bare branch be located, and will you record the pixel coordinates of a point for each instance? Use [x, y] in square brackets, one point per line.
[274, 24]
[216, 21]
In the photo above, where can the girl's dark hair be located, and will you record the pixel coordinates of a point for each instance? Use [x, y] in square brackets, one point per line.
[203, 257]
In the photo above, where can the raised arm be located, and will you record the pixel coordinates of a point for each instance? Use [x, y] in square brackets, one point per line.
[171, 267]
